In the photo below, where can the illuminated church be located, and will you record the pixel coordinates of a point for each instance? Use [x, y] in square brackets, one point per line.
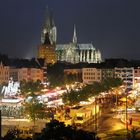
[72, 52]
[48, 41]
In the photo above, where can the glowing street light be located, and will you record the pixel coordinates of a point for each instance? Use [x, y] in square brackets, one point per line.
[126, 116]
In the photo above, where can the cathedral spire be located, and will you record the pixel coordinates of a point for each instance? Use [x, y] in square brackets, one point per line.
[49, 29]
[74, 36]
[49, 18]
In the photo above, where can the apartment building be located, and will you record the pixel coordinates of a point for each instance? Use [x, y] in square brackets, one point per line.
[91, 75]
[72, 71]
[127, 75]
[108, 73]
[30, 74]
[137, 77]
[13, 72]
[4, 73]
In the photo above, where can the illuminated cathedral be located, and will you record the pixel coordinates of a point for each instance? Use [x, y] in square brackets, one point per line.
[48, 41]
[72, 52]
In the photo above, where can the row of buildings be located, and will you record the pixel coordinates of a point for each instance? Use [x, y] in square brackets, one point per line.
[19, 74]
[72, 52]
[89, 75]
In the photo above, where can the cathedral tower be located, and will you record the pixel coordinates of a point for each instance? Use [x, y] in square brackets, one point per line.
[48, 40]
[49, 28]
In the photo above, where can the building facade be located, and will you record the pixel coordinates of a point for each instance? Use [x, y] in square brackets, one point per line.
[14, 74]
[127, 75]
[76, 72]
[73, 71]
[137, 78]
[108, 73]
[19, 74]
[91, 75]
[4, 73]
[47, 52]
[28, 74]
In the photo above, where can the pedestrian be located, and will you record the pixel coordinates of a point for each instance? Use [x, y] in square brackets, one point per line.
[130, 121]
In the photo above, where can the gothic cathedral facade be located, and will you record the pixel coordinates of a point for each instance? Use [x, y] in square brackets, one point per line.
[72, 52]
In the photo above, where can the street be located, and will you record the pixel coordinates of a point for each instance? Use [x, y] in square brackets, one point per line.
[11, 123]
[106, 122]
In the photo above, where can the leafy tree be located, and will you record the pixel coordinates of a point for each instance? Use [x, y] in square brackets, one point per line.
[134, 131]
[55, 130]
[55, 74]
[58, 131]
[30, 87]
[70, 78]
[70, 97]
[34, 109]
[11, 134]
[97, 88]
[110, 83]
[74, 97]
[55, 80]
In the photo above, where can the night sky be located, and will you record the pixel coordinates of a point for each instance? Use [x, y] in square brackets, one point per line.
[112, 25]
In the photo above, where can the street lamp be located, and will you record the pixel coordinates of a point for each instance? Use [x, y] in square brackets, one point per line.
[116, 103]
[126, 94]
[96, 116]
[126, 115]
[0, 124]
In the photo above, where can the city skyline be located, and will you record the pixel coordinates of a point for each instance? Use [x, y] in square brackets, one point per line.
[112, 26]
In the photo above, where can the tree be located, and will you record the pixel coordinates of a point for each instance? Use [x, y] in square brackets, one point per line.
[70, 78]
[58, 131]
[11, 134]
[134, 131]
[71, 97]
[110, 83]
[97, 88]
[55, 74]
[30, 87]
[74, 97]
[34, 109]
[55, 80]
[55, 130]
